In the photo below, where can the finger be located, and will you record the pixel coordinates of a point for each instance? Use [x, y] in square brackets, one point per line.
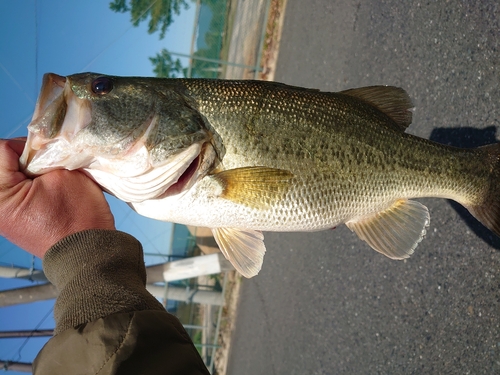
[17, 144]
[9, 154]
[9, 163]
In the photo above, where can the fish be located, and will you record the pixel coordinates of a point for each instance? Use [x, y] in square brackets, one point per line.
[243, 157]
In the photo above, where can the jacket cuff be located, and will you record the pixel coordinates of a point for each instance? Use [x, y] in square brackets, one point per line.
[98, 273]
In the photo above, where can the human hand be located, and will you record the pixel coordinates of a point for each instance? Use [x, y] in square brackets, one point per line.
[36, 213]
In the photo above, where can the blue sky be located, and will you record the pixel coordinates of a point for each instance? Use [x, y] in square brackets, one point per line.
[68, 37]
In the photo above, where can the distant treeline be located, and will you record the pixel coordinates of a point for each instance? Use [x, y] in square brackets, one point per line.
[160, 14]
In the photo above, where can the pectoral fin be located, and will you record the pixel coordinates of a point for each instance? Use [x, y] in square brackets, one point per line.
[255, 187]
[396, 231]
[244, 248]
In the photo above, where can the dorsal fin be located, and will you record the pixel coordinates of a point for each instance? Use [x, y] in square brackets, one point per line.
[393, 101]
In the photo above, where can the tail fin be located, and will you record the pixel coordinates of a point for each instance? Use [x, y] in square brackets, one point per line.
[488, 213]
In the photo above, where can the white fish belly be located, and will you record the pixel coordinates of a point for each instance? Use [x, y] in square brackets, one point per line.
[202, 206]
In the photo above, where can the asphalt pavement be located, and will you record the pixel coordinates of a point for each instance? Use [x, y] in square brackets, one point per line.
[325, 303]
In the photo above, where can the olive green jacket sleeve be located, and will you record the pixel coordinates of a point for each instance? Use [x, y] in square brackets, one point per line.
[106, 321]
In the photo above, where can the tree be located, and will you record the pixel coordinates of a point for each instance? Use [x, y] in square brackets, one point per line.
[165, 66]
[160, 11]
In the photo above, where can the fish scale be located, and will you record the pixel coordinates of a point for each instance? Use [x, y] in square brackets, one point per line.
[372, 149]
[243, 157]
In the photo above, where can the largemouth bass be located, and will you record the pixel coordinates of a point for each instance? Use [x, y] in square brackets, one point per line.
[242, 157]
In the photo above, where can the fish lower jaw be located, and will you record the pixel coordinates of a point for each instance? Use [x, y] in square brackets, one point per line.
[42, 155]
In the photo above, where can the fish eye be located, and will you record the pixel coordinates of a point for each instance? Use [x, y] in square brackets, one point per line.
[102, 85]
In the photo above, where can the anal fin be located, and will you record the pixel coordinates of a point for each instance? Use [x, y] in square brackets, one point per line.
[396, 231]
[244, 248]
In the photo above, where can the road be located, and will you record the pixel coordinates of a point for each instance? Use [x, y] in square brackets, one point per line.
[325, 303]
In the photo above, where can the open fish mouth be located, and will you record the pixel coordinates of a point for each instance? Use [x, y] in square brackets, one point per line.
[59, 115]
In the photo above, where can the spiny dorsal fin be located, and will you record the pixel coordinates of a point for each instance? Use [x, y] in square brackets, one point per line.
[396, 231]
[255, 187]
[393, 101]
[244, 248]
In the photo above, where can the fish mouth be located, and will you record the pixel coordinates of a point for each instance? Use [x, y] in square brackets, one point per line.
[59, 114]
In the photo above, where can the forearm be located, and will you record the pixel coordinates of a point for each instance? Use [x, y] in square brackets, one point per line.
[98, 273]
[106, 321]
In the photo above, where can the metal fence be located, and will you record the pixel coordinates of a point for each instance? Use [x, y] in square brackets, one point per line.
[204, 321]
[208, 36]
[245, 39]
[228, 39]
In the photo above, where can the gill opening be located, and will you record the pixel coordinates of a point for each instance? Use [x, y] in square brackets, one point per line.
[184, 180]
